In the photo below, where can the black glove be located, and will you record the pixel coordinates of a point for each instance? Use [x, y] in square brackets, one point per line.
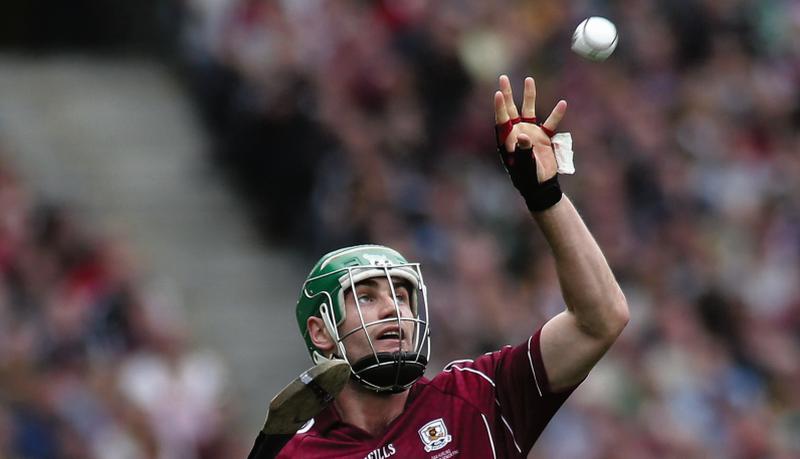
[521, 167]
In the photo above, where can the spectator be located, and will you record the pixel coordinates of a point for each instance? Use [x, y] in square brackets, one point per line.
[85, 364]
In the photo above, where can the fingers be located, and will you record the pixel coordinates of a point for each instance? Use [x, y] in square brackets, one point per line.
[508, 96]
[529, 99]
[500, 112]
[556, 115]
[505, 110]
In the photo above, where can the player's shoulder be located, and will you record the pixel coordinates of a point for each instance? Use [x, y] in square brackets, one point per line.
[293, 447]
[485, 363]
[309, 429]
[470, 374]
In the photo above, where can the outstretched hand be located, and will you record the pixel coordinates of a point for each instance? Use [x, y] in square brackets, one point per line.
[525, 132]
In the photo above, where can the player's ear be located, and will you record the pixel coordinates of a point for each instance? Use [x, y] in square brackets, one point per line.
[319, 335]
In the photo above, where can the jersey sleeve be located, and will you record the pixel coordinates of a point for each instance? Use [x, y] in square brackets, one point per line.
[523, 391]
[518, 389]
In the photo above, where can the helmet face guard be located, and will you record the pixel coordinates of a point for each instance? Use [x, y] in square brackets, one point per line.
[323, 295]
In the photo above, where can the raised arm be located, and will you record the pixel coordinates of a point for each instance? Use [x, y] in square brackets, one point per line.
[596, 311]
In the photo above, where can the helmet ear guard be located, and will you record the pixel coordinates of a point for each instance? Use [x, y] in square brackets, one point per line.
[333, 330]
[324, 312]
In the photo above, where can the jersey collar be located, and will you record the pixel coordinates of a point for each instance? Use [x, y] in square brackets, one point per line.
[328, 419]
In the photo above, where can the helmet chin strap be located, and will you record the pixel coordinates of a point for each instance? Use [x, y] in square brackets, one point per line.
[391, 372]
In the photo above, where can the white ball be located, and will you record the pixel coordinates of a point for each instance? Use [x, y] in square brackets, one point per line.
[595, 38]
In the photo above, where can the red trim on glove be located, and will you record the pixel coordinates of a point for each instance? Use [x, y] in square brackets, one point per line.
[534, 120]
[549, 132]
[503, 131]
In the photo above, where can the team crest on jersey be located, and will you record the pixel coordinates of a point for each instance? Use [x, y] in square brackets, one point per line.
[434, 435]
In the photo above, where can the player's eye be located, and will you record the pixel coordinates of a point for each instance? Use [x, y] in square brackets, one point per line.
[364, 298]
[402, 297]
[401, 292]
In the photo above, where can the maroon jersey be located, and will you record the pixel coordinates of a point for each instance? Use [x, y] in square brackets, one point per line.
[493, 407]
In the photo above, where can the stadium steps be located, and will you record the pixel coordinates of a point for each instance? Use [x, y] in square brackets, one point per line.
[117, 141]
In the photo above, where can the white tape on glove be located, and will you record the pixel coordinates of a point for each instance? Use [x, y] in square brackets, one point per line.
[562, 146]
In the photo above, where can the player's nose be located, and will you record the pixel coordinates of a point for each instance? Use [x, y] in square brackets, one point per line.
[388, 306]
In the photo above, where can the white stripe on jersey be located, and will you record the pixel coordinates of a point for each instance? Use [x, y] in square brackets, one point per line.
[489, 433]
[471, 370]
[451, 366]
[492, 352]
[530, 360]
[306, 427]
[508, 426]
[457, 361]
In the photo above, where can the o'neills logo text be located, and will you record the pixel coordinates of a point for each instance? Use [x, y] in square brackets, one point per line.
[382, 452]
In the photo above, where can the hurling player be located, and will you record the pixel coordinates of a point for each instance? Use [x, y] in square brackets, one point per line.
[367, 305]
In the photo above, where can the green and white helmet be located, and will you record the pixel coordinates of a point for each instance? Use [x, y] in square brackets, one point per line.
[323, 295]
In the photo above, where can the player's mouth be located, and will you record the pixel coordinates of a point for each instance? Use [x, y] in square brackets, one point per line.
[391, 333]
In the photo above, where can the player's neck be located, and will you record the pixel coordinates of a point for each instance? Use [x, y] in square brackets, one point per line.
[368, 410]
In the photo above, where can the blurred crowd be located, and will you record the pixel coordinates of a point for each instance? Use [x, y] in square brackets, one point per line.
[371, 121]
[94, 361]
